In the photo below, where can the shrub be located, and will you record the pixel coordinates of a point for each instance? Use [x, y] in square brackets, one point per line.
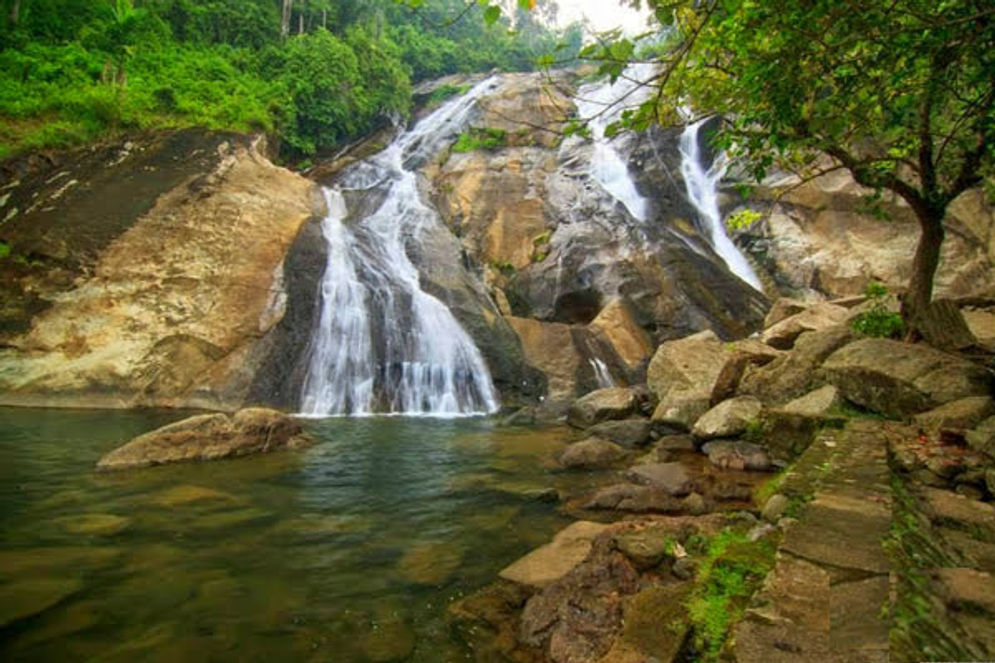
[484, 138]
[878, 321]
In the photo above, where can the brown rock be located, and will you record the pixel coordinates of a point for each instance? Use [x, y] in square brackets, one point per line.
[590, 454]
[982, 438]
[737, 455]
[782, 309]
[900, 379]
[816, 318]
[961, 414]
[815, 403]
[629, 433]
[671, 478]
[967, 588]
[679, 410]
[630, 341]
[727, 419]
[553, 561]
[602, 405]
[794, 374]
[208, 437]
[689, 365]
[630, 498]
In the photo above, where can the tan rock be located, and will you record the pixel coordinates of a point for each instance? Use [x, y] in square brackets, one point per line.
[602, 405]
[208, 437]
[680, 409]
[549, 563]
[902, 379]
[795, 373]
[630, 341]
[783, 308]
[727, 419]
[689, 366]
[592, 453]
[961, 414]
[967, 588]
[549, 347]
[815, 403]
[815, 318]
[672, 478]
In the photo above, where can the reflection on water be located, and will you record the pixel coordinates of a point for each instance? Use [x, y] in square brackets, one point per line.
[348, 551]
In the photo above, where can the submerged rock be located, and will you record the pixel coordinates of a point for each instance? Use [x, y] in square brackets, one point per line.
[554, 560]
[672, 478]
[591, 454]
[209, 437]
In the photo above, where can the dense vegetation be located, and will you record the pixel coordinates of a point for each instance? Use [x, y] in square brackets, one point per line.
[311, 72]
[900, 93]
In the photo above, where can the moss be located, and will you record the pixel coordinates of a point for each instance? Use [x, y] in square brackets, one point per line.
[733, 568]
[540, 246]
[483, 138]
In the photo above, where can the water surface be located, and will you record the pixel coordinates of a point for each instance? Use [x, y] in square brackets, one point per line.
[348, 551]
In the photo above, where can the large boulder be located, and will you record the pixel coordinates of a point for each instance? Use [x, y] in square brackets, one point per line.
[817, 318]
[815, 403]
[900, 379]
[591, 454]
[794, 373]
[962, 414]
[603, 405]
[619, 326]
[209, 437]
[728, 419]
[550, 562]
[689, 365]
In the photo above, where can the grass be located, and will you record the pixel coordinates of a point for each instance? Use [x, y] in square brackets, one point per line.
[733, 568]
[485, 138]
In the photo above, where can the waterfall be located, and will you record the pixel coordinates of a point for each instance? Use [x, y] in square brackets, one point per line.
[703, 192]
[601, 373]
[608, 168]
[382, 344]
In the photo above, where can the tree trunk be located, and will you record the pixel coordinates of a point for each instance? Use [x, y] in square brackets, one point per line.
[915, 303]
[15, 12]
[288, 6]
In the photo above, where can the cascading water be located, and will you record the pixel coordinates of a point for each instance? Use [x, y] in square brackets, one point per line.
[601, 373]
[703, 192]
[602, 103]
[383, 344]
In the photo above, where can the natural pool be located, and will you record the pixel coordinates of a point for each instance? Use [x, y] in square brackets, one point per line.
[347, 551]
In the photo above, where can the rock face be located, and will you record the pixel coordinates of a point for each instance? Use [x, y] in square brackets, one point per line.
[163, 274]
[900, 379]
[209, 437]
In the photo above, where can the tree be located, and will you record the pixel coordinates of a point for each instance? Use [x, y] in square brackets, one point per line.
[900, 93]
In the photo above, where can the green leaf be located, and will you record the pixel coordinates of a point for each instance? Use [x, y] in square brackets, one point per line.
[492, 14]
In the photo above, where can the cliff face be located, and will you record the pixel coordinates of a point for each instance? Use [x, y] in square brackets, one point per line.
[183, 269]
[151, 273]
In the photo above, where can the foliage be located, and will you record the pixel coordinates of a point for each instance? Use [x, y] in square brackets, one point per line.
[743, 219]
[899, 93]
[732, 570]
[72, 71]
[540, 246]
[480, 138]
[878, 321]
[443, 92]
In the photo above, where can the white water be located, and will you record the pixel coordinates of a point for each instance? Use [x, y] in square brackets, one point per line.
[602, 103]
[601, 373]
[382, 343]
[703, 192]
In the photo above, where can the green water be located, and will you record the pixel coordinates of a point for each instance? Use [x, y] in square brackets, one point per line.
[348, 551]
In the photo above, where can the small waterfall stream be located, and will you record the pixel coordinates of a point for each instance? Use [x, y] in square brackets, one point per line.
[703, 192]
[382, 343]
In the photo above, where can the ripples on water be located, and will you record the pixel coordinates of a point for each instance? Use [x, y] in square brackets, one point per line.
[348, 551]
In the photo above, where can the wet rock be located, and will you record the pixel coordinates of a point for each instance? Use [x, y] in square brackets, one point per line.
[591, 454]
[554, 560]
[525, 416]
[96, 524]
[815, 403]
[25, 598]
[631, 498]
[818, 317]
[51, 562]
[676, 443]
[982, 438]
[672, 478]
[431, 563]
[390, 641]
[775, 507]
[642, 638]
[209, 437]
[602, 405]
[794, 373]
[189, 494]
[727, 419]
[689, 365]
[487, 622]
[737, 455]
[628, 432]
[962, 414]
[648, 546]
[899, 379]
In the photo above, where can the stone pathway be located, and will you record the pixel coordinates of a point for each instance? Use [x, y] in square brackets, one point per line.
[827, 599]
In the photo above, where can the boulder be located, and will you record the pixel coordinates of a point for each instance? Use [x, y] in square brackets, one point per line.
[794, 373]
[782, 309]
[745, 353]
[982, 438]
[648, 546]
[642, 639]
[619, 326]
[602, 405]
[627, 432]
[899, 379]
[550, 562]
[672, 478]
[737, 455]
[967, 589]
[775, 507]
[727, 419]
[962, 414]
[209, 437]
[630, 498]
[787, 434]
[815, 403]
[591, 454]
[689, 365]
[817, 318]
[679, 410]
